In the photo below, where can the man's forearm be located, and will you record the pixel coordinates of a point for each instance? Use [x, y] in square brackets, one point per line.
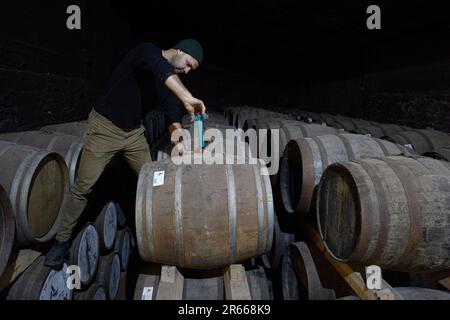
[177, 87]
[191, 104]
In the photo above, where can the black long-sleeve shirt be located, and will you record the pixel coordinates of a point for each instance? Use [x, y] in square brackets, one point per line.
[136, 86]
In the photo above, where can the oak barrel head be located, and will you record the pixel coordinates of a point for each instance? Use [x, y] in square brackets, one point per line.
[7, 229]
[85, 252]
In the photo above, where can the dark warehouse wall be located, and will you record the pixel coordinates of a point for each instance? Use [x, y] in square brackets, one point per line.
[403, 81]
[49, 74]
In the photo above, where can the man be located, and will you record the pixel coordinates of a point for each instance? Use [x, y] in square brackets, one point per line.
[147, 76]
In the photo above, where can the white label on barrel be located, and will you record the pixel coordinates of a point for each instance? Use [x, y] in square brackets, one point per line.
[147, 293]
[158, 178]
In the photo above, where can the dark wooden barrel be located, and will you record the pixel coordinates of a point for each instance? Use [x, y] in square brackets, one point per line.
[440, 154]
[380, 130]
[150, 130]
[240, 117]
[70, 128]
[249, 124]
[108, 274]
[307, 273]
[203, 216]
[413, 293]
[421, 141]
[303, 130]
[392, 212]
[121, 217]
[41, 283]
[302, 115]
[123, 247]
[7, 229]
[292, 131]
[69, 147]
[154, 125]
[122, 293]
[164, 153]
[85, 252]
[159, 124]
[37, 182]
[106, 224]
[361, 123]
[289, 130]
[349, 124]
[327, 118]
[341, 122]
[281, 241]
[94, 292]
[305, 159]
[298, 115]
[311, 117]
[290, 286]
[260, 287]
[268, 123]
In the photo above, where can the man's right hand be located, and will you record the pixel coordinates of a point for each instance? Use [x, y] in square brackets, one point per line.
[194, 106]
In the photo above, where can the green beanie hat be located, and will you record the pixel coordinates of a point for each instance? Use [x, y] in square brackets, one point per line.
[193, 48]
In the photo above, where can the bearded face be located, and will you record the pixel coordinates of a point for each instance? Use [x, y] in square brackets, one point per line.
[183, 62]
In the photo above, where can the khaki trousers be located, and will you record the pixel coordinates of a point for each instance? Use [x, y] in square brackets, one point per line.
[102, 141]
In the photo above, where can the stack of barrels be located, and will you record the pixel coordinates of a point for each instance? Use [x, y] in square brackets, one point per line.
[96, 270]
[377, 193]
[154, 125]
[103, 250]
[38, 168]
[33, 186]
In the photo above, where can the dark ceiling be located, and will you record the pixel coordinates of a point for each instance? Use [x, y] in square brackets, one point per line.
[283, 37]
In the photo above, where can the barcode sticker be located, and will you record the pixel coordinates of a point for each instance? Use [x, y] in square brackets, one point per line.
[147, 293]
[158, 178]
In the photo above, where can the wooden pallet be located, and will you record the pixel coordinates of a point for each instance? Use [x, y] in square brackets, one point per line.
[351, 274]
[443, 278]
[169, 285]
